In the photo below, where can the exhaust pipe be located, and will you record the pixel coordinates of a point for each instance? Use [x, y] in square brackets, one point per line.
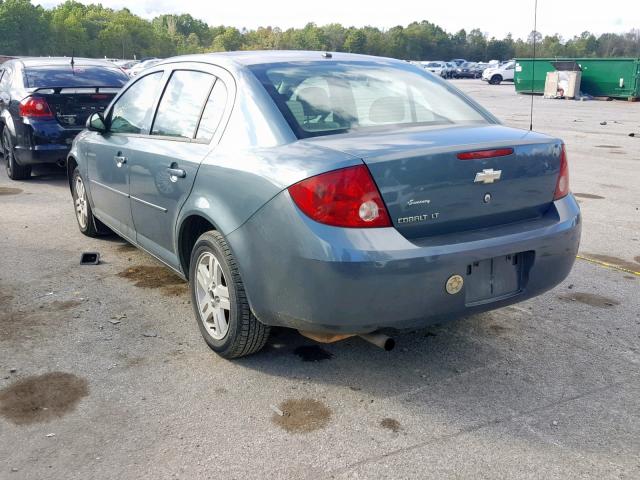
[379, 340]
[61, 163]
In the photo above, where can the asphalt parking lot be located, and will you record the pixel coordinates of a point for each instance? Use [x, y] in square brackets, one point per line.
[103, 373]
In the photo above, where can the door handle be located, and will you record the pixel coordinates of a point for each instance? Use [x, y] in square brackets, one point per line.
[120, 160]
[176, 173]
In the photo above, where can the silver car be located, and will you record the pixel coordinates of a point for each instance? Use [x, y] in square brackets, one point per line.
[336, 194]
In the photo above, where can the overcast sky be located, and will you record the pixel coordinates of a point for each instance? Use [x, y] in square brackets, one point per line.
[495, 17]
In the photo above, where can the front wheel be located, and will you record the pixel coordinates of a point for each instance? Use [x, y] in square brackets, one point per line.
[220, 302]
[495, 80]
[14, 171]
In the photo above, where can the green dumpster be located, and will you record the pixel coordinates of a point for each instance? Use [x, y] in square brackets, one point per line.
[601, 77]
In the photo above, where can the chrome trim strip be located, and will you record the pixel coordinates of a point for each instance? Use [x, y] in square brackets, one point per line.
[153, 205]
[111, 189]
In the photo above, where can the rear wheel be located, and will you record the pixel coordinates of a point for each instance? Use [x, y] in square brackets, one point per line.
[84, 215]
[14, 171]
[495, 80]
[220, 302]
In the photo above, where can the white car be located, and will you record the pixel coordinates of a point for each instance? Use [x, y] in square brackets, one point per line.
[438, 68]
[136, 69]
[501, 73]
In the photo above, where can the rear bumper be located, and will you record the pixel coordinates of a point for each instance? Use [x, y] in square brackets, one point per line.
[41, 154]
[309, 276]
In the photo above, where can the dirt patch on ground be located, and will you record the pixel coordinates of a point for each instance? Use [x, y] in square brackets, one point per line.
[390, 424]
[61, 306]
[312, 353]
[42, 398]
[590, 299]
[126, 248]
[9, 191]
[149, 276]
[618, 262]
[588, 195]
[608, 146]
[302, 415]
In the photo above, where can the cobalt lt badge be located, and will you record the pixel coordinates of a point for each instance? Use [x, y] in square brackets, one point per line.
[454, 284]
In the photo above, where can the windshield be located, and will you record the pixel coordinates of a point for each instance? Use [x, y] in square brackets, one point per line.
[433, 65]
[323, 98]
[79, 76]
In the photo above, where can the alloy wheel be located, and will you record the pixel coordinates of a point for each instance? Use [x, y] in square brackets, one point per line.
[82, 212]
[212, 295]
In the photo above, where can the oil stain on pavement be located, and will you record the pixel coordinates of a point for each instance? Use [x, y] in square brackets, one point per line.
[312, 353]
[149, 276]
[591, 299]
[618, 262]
[9, 191]
[588, 195]
[390, 424]
[302, 415]
[42, 398]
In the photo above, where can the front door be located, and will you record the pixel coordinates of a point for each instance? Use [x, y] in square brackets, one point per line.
[109, 154]
[164, 164]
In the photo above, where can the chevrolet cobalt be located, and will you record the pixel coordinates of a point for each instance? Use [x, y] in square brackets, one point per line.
[335, 194]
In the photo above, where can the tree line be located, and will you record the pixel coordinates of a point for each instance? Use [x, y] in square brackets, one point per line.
[96, 31]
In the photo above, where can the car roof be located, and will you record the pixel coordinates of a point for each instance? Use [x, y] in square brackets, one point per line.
[60, 61]
[255, 57]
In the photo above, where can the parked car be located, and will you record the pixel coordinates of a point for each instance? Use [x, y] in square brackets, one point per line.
[451, 69]
[437, 68]
[467, 70]
[126, 65]
[144, 64]
[499, 74]
[336, 194]
[44, 104]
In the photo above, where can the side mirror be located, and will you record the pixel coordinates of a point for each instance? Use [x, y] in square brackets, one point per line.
[96, 123]
[5, 99]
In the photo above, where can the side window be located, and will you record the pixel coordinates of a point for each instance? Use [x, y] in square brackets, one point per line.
[5, 81]
[213, 112]
[181, 104]
[132, 112]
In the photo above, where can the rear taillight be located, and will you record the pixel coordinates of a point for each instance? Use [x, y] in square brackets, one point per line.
[343, 198]
[35, 107]
[562, 186]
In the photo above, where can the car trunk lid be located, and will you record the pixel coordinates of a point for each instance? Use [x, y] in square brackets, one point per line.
[429, 190]
[72, 106]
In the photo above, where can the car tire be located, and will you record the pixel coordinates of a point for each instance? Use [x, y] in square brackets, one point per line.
[495, 80]
[87, 223]
[14, 171]
[215, 284]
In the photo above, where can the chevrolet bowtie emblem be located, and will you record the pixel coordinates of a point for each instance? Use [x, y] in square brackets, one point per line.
[488, 176]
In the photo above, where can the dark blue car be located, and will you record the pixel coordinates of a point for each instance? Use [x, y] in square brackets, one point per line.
[44, 104]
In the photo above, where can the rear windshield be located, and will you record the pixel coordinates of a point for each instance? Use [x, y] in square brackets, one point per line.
[324, 98]
[79, 76]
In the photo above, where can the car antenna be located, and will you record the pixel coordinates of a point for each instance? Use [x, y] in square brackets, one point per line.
[533, 63]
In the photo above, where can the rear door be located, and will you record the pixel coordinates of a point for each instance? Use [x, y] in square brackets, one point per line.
[163, 165]
[108, 154]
